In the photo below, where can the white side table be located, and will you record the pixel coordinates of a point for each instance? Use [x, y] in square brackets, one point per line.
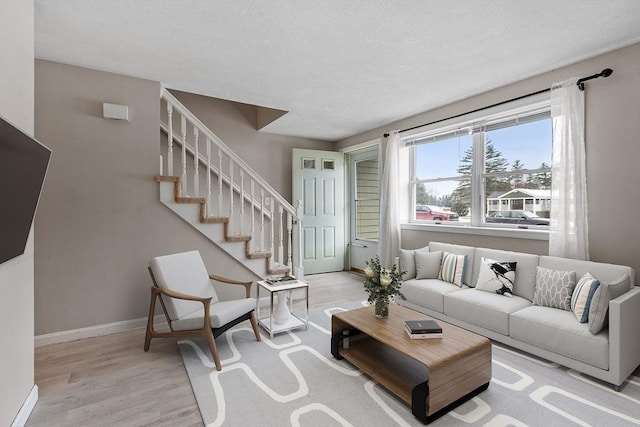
[285, 316]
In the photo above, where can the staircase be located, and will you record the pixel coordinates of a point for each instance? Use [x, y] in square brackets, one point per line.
[216, 192]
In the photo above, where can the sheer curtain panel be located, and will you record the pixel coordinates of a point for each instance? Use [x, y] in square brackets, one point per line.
[568, 230]
[389, 246]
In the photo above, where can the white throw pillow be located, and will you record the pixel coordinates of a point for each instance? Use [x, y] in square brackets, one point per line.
[408, 263]
[428, 264]
[496, 276]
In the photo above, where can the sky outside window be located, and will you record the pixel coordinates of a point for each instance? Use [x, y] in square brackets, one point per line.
[530, 143]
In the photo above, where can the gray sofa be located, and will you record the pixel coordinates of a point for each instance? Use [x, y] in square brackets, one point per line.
[551, 333]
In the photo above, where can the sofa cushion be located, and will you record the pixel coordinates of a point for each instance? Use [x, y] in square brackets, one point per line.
[554, 288]
[599, 310]
[428, 264]
[469, 251]
[496, 276]
[452, 268]
[428, 293]
[601, 271]
[407, 262]
[525, 281]
[582, 296]
[484, 309]
[559, 331]
[220, 314]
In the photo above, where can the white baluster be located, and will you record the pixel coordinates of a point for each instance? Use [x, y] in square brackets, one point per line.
[183, 124]
[208, 205]
[262, 248]
[160, 164]
[196, 164]
[241, 201]
[289, 241]
[280, 232]
[230, 191]
[170, 140]
[253, 210]
[298, 252]
[271, 236]
[219, 183]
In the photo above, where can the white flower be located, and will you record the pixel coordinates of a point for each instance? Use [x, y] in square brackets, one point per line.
[368, 272]
[385, 278]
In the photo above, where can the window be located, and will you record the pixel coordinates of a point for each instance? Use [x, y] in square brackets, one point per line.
[367, 197]
[493, 170]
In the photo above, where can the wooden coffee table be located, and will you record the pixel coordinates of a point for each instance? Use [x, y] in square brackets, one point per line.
[433, 376]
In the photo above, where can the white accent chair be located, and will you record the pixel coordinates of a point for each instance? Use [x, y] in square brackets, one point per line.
[190, 303]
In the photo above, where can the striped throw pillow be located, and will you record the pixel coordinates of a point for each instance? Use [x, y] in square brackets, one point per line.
[582, 296]
[452, 268]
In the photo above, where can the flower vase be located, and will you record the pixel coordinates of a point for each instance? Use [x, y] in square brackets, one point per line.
[382, 308]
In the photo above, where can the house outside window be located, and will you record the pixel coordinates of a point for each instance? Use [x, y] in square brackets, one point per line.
[475, 168]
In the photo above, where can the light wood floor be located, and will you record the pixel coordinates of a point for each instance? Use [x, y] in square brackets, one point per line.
[111, 381]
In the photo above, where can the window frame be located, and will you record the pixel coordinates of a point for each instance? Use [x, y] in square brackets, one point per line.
[478, 124]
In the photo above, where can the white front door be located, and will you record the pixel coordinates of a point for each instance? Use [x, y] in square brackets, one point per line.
[318, 180]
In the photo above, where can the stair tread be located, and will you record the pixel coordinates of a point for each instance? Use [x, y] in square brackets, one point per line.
[167, 178]
[214, 220]
[237, 238]
[279, 270]
[259, 254]
[190, 200]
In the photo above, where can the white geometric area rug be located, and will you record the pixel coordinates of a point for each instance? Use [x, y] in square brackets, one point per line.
[293, 380]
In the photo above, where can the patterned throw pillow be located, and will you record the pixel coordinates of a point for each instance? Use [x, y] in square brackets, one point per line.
[496, 276]
[582, 296]
[554, 288]
[452, 268]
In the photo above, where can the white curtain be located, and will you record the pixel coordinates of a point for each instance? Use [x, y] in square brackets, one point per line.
[568, 230]
[389, 240]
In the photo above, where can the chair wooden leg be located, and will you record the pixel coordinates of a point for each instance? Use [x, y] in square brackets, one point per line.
[148, 334]
[214, 350]
[254, 324]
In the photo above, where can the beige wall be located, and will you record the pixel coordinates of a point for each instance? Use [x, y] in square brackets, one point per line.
[613, 156]
[16, 275]
[100, 218]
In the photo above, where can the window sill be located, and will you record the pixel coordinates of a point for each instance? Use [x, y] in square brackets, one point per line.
[480, 231]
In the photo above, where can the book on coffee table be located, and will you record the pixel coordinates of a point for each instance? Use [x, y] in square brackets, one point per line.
[420, 329]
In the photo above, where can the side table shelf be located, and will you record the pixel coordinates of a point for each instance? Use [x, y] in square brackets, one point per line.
[286, 316]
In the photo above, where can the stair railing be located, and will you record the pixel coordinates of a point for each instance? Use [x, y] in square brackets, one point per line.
[278, 218]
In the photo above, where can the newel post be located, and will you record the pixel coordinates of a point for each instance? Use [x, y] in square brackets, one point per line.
[299, 268]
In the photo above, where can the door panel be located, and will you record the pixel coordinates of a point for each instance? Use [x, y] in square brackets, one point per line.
[318, 180]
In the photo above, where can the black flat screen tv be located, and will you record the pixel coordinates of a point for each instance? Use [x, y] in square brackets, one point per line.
[23, 166]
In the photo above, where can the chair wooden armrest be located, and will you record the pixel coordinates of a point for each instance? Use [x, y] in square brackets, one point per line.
[179, 295]
[247, 285]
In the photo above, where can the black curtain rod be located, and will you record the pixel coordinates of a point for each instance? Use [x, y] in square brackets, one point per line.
[604, 73]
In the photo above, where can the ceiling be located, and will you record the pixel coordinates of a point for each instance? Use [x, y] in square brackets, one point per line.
[338, 67]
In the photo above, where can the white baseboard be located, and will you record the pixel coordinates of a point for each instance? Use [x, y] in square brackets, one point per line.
[95, 331]
[26, 408]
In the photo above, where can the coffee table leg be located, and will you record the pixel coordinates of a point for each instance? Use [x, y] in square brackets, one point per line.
[419, 397]
[341, 337]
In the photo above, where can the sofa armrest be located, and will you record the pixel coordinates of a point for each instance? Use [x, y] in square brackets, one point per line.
[624, 339]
